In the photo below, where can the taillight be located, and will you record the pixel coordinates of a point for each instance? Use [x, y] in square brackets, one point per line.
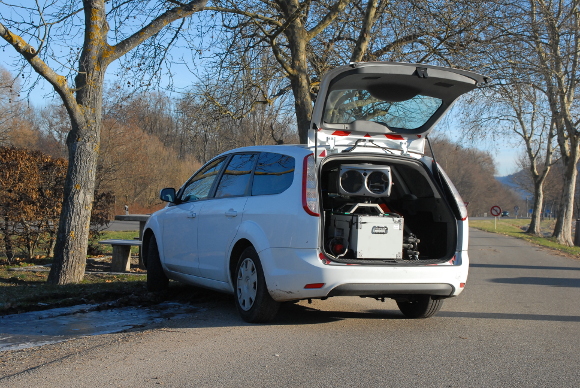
[310, 187]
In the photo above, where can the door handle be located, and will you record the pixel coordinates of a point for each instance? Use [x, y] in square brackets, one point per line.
[231, 213]
[192, 215]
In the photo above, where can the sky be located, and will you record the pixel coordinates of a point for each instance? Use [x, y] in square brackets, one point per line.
[505, 159]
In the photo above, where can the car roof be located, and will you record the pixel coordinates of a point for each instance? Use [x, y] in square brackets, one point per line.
[296, 150]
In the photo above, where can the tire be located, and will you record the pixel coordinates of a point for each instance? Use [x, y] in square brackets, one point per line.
[156, 278]
[421, 306]
[254, 303]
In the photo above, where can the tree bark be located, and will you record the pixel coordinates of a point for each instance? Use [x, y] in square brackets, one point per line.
[364, 37]
[8, 248]
[535, 222]
[299, 78]
[563, 228]
[83, 143]
[297, 68]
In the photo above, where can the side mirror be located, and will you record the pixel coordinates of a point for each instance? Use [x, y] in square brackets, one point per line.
[167, 194]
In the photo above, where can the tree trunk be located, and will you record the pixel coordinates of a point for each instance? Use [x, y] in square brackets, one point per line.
[73, 230]
[299, 78]
[535, 222]
[303, 105]
[563, 228]
[51, 245]
[8, 248]
[83, 149]
[364, 37]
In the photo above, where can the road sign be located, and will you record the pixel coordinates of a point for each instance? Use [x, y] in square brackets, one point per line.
[516, 208]
[495, 211]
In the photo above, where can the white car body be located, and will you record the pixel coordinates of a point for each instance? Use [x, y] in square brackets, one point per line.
[301, 249]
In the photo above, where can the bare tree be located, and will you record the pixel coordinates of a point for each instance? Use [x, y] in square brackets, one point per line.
[307, 38]
[537, 43]
[555, 39]
[12, 109]
[540, 45]
[517, 110]
[235, 109]
[537, 132]
[38, 37]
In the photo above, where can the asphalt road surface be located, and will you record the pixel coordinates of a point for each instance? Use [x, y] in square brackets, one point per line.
[116, 226]
[517, 324]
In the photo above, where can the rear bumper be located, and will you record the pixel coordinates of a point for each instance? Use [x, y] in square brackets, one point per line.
[380, 289]
[289, 273]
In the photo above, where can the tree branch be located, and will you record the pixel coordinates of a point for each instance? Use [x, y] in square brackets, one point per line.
[327, 19]
[154, 27]
[251, 15]
[399, 42]
[58, 81]
[365, 33]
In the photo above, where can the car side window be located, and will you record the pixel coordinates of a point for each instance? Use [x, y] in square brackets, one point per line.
[274, 173]
[200, 184]
[234, 181]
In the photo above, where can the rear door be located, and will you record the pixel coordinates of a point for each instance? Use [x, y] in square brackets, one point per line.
[221, 216]
[386, 104]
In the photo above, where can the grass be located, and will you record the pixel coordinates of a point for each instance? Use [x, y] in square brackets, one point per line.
[22, 291]
[517, 227]
[26, 290]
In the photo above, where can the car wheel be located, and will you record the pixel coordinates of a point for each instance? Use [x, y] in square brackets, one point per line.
[253, 301]
[422, 306]
[156, 278]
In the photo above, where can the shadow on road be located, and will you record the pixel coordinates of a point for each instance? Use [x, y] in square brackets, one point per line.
[523, 317]
[293, 314]
[514, 266]
[539, 281]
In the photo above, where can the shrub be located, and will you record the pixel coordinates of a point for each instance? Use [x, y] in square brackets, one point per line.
[31, 189]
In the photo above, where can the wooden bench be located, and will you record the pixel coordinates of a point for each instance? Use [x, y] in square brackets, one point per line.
[121, 253]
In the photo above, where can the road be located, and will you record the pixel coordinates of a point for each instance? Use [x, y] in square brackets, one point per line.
[116, 226]
[517, 324]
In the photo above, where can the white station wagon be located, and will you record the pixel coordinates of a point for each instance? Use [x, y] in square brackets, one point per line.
[359, 211]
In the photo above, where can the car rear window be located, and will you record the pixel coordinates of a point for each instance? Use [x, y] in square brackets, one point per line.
[274, 174]
[345, 106]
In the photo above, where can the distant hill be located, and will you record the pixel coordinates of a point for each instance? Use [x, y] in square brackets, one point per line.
[509, 181]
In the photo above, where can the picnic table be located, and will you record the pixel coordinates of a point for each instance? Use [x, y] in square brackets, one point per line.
[122, 248]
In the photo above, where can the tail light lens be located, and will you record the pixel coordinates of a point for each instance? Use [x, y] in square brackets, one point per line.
[310, 187]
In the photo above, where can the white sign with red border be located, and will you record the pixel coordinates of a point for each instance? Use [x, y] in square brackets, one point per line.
[495, 211]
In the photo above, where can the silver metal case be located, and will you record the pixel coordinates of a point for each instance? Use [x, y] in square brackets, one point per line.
[370, 237]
